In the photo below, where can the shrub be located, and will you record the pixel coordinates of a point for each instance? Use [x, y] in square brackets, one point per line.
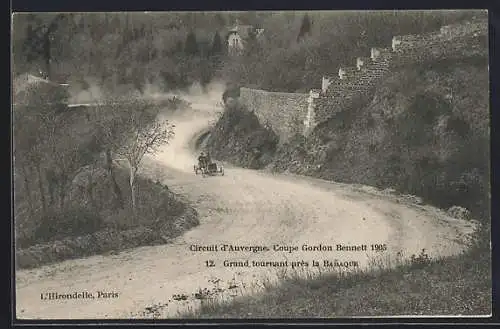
[420, 260]
[459, 126]
[72, 222]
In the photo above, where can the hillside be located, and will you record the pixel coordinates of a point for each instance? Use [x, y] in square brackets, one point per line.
[425, 132]
[172, 50]
[72, 196]
[239, 138]
[421, 287]
[247, 209]
[346, 128]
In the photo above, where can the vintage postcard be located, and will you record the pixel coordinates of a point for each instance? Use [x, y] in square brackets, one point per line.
[251, 165]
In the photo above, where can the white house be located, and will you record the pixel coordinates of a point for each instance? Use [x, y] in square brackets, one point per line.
[239, 35]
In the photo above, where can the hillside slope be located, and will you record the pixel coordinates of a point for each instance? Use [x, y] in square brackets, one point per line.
[425, 132]
[72, 195]
[239, 138]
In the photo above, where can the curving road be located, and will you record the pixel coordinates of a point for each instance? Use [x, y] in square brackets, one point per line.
[242, 208]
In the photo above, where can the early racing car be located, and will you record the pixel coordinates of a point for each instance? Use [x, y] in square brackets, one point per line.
[210, 169]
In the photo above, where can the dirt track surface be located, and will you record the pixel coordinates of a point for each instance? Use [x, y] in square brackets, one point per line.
[242, 208]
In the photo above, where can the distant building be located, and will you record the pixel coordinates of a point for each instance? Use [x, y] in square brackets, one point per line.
[238, 36]
[23, 83]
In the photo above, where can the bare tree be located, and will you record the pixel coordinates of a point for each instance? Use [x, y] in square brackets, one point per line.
[66, 158]
[108, 135]
[143, 133]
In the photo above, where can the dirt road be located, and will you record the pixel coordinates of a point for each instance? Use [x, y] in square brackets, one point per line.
[242, 208]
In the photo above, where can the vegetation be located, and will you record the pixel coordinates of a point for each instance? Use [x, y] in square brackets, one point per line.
[425, 132]
[411, 136]
[144, 133]
[239, 137]
[459, 285]
[173, 50]
[296, 50]
[69, 186]
[86, 229]
[305, 28]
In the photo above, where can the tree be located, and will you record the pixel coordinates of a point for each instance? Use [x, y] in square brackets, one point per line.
[206, 72]
[216, 45]
[38, 120]
[219, 18]
[143, 133]
[108, 134]
[67, 155]
[305, 27]
[191, 45]
[40, 36]
[27, 153]
[252, 47]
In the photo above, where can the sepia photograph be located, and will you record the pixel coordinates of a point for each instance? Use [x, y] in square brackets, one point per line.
[251, 164]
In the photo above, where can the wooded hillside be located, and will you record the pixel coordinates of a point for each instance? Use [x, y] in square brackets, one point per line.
[172, 50]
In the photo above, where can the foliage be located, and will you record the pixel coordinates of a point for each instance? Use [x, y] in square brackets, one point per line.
[217, 46]
[191, 46]
[305, 27]
[72, 222]
[454, 285]
[239, 137]
[135, 48]
[65, 181]
[162, 217]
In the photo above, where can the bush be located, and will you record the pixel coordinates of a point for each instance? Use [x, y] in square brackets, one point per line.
[420, 260]
[80, 232]
[459, 126]
[72, 222]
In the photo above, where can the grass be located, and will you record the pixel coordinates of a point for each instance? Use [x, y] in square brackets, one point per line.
[459, 285]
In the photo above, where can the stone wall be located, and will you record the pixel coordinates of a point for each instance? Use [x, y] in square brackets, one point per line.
[283, 112]
[290, 113]
[357, 83]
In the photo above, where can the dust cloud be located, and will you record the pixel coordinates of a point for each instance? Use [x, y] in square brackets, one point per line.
[190, 124]
[93, 94]
[200, 97]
